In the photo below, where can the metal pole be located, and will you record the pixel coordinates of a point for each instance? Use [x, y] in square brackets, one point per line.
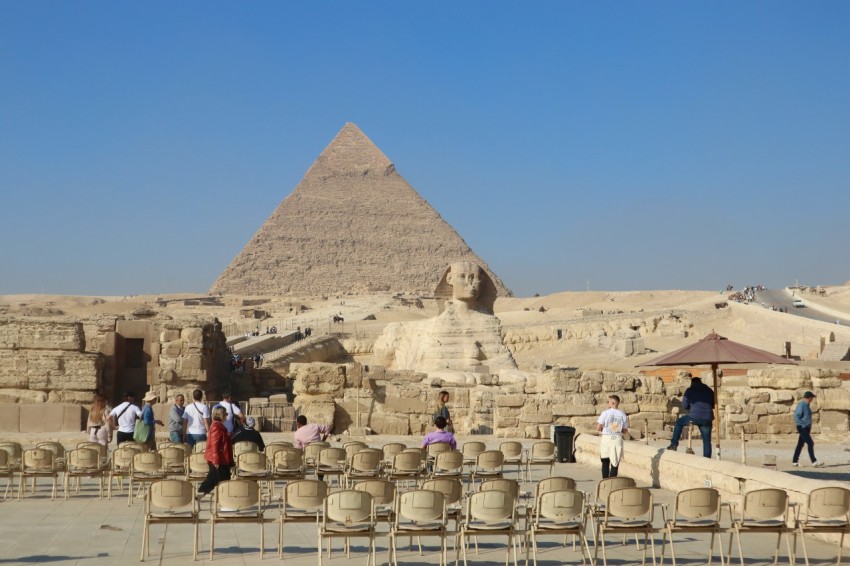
[716, 412]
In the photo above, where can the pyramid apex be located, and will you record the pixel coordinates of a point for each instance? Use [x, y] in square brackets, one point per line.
[351, 152]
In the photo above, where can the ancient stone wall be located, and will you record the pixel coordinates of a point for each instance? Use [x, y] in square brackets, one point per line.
[402, 402]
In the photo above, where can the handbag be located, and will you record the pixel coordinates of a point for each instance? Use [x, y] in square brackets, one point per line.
[141, 432]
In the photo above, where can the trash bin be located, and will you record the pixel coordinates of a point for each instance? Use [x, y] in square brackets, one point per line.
[564, 436]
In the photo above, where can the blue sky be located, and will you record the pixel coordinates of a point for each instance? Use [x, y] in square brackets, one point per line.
[615, 145]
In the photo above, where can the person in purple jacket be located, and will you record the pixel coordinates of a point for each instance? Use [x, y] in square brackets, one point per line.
[440, 435]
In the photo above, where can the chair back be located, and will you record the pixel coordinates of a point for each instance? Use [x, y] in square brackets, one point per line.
[197, 463]
[83, 459]
[199, 446]
[471, 450]
[391, 449]
[438, 448]
[407, 461]
[501, 484]
[512, 450]
[421, 506]
[554, 483]
[274, 448]
[173, 457]
[561, 505]
[56, 448]
[147, 462]
[629, 503]
[698, 503]
[244, 446]
[38, 459]
[542, 451]
[332, 457]
[451, 488]
[606, 486]
[252, 462]
[382, 491]
[237, 495]
[490, 506]
[312, 450]
[4, 461]
[765, 504]
[101, 449]
[829, 503]
[133, 445]
[367, 460]
[448, 462]
[288, 458]
[352, 448]
[348, 506]
[171, 494]
[122, 458]
[305, 494]
[13, 449]
[490, 460]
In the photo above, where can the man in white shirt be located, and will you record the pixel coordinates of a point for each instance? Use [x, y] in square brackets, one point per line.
[612, 423]
[233, 412]
[125, 415]
[196, 419]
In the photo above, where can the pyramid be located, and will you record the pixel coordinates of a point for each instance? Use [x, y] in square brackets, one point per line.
[352, 225]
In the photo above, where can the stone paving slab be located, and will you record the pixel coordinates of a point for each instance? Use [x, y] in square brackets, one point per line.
[87, 530]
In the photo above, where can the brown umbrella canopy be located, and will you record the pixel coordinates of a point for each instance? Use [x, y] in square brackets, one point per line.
[714, 350]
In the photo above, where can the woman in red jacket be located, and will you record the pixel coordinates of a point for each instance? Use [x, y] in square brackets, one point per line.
[219, 453]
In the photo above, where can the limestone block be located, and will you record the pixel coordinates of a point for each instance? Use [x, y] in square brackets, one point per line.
[193, 336]
[71, 397]
[481, 398]
[406, 406]
[63, 370]
[654, 402]
[420, 424]
[834, 421]
[833, 400]
[738, 418]
[508, 411]
[537, 418]
[169, 335]
[510, 433]
[757, 410]
[506, 422]
[776, 409]
[345, 415]
[629, 408]
[510, 401]
[587, 386]
[404, 391]
[13, 369]
[757, 396]
[459, 396]
[187, 364]
[42, 335]
[781, 396]
[51, 418]
[532, 431]
[733, 408]
[827, 382]
[10, 418]
[172, 349]
[583, 424]
[572, 409]
[562, 381]
[318, 409]
[625, 397]
[387, 423]
[22, 396]
[318, 379]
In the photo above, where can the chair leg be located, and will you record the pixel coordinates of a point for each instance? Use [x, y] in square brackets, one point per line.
[740, 550]
[840, 547]
[262, 538]
[212, 537]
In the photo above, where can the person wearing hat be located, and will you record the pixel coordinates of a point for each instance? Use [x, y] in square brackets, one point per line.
[803, 420]
[249, 434]
[148, 418]
[124, 418]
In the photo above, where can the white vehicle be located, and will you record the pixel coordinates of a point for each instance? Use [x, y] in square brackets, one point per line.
[798, 303]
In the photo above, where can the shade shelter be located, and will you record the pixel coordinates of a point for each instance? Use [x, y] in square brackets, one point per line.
[714, 350]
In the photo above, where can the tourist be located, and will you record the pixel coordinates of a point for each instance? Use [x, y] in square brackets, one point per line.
[699, 401]
[196, 419]
[124, 417]
[440, 435]
[149, 419]
[234, 413]
[443, 411]
[308, 433]
[175, 419]
[219, 453]
[98, 421]
[613, 424]
[249, 434]
[803, 420]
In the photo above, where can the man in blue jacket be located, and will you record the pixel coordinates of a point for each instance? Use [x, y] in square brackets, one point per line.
[699, 400]
[803, 420]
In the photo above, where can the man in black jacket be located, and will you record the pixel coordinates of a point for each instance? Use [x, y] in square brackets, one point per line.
[699, 400]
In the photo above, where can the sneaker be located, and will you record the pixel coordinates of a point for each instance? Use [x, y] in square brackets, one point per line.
[795, 464]
[817, 464]
[673, 447]
[200, 495]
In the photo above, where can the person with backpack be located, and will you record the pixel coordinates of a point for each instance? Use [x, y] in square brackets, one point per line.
[124, 418]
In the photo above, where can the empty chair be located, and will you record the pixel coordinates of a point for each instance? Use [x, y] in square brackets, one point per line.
[101, 449]
[383, 494]
[37, 463]
[237, 501]
[471, 450]
[173, 459]
[120, 466]
[7, 470]
[348, 514]
[763, 511]
[827, 511]
[390, 450]
[627, 510]
[146, 468]
[15, 452]
[406, 467]
[419, 513]
[301, 503]
[311, 454]
[244, 446]
[197, 467]
[133, 445]
[542, 454]
[58, 450]
[512, 452]
[83, 463]
[452, 490]
[501, 484]
[488, 465]
[490, 513]
[200, 446]
[170, 501]
[448, 465]
[559, 512]
[273, 448]
[603, 488]
[366, 463]
[695, 511]
[287, 465]
[352, 448]
[331, 463]
[254, 466]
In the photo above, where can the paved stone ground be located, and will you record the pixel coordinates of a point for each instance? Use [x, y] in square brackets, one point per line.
[88, 530]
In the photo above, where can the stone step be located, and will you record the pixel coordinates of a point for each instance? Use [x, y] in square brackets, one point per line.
[835, 352]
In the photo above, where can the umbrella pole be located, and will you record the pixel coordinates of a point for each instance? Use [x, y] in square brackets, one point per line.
[716, 412]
